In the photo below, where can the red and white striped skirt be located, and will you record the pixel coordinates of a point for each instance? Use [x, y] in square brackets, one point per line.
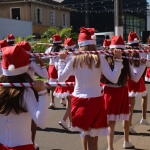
[89, 116]
[116, 103]
[136, 89]
[147, 75]
[52, 73]
[22, 147]
[63, 92]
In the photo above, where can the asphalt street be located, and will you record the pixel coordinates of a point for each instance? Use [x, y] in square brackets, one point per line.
[56, 138]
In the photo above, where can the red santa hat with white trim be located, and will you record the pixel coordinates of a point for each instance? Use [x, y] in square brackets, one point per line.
[133, 38]
[56, 38]
[106, 43]
[86, 36]
[15, 60]
[117, 42]
[69, 43]
[10, 37]
[25, 45]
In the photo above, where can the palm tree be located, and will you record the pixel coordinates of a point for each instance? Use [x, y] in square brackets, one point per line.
[64, 32]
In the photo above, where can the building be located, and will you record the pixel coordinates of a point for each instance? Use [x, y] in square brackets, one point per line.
[42, 13]
[100, 15]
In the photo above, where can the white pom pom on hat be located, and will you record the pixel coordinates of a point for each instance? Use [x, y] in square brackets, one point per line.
[11, 68]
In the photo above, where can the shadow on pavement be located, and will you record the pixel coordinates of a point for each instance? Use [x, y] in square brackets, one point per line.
[136, 134]
[57, 130]
[139, 111]
[57, 108]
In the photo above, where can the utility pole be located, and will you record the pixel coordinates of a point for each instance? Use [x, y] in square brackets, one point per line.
[118, 17]
[86, 14]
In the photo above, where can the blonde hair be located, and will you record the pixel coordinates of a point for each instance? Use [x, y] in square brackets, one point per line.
[87, 59]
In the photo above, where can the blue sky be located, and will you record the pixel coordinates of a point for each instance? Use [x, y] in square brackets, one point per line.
[148, 1]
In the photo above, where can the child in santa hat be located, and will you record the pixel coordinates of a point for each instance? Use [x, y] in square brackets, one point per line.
[116, 95]
[18, 105]
[33, 69]
[88, 112]
[10, 39]
[52, 71]
[65, 92]
[137, 89]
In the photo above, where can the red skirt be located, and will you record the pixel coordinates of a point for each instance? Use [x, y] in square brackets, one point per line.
[147, 75]
[116, 103]
[52, 72]
[88, 113]
[22, 147]
[136, 89]
[63, 92]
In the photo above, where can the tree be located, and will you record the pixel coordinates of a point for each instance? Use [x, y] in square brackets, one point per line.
[64, 32]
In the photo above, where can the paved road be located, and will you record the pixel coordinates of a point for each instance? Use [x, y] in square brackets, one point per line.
[55, 138]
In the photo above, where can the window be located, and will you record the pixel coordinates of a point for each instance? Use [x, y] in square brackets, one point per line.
[38, 15]
[15, 13]
[64, 20]
[52, 18]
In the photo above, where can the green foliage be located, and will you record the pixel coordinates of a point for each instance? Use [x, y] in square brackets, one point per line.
[40, 48]
[18, 39]
[46, 38]
[64, 32]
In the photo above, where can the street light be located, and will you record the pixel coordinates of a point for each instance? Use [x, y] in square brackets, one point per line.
[86, 14]
[118, 17]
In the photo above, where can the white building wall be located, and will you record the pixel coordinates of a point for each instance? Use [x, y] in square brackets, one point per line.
[15, 27]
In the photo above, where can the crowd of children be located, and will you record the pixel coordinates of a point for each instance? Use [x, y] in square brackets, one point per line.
[91, 111]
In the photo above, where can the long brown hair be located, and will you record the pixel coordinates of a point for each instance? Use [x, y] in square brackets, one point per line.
[87, 59]
[11, 98]
[125, 71]
[134, 62]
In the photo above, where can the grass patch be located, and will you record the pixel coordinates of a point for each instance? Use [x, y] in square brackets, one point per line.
[40, 78]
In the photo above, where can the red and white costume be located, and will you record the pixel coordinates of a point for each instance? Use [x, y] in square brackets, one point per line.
[117, 100]
[16, 129]
[52, 69]
[115, 95]
[88, 112]
[147, 75]
[136, 89]
[63, 92]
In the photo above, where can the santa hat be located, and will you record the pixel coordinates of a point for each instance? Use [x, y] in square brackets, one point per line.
[85, 36]
[15, 60]
[25, 45]
[133, 38]
[106, 43]
[10, 37]
[3, 43]
[69, 43]
[56, 38]
[117, 42]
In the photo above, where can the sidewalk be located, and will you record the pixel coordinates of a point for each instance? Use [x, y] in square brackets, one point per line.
[141, 140]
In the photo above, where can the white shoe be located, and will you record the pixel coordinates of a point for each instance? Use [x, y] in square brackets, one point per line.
[127, 145]
[144, 122]
[36, 146]
[69, 124]
[63, 101]
[63, 124]
[131, 130]
[52, 105]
